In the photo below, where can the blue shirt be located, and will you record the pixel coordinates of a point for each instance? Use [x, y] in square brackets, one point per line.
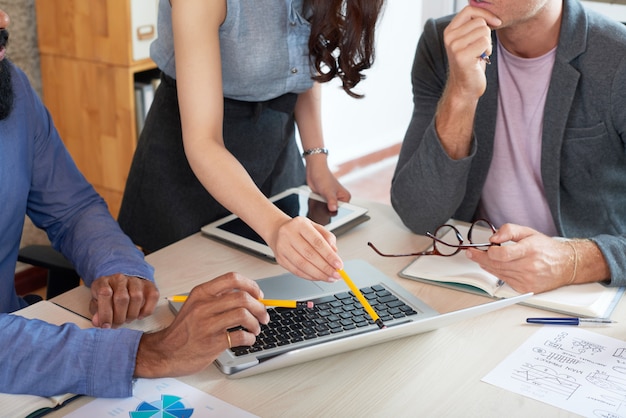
[263, 46]
[39, 178]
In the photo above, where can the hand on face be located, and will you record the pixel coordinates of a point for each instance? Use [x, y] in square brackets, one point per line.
[466, 38]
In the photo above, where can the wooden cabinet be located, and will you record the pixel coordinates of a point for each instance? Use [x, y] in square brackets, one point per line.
[88, 71]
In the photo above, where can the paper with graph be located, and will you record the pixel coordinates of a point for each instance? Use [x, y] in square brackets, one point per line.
[570, 368]
[161, 398]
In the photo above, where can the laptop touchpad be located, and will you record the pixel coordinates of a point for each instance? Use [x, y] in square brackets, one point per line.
[289, 287]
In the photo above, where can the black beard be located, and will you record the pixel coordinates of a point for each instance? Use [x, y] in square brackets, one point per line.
[6, 90]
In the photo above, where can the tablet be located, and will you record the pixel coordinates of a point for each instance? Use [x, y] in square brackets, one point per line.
[294, 202]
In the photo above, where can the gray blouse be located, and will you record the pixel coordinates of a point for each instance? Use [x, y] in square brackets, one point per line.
[263, 44]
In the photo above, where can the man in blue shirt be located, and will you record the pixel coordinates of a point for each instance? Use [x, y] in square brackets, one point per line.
[38, 178]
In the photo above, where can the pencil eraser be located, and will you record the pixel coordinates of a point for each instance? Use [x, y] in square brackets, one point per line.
[310, 304]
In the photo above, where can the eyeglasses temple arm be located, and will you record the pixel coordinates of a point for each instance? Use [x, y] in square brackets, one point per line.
[398, 255]
[461, 245]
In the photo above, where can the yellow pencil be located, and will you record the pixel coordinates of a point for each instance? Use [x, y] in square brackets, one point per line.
[287, 303]
[296, 304]
[361, 298]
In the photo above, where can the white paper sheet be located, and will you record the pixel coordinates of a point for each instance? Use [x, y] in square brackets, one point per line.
[568, 367]
[161, 398]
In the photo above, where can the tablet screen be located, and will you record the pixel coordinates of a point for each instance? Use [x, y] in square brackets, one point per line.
[294, 204]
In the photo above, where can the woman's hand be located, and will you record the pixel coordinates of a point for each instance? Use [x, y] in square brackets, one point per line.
[307, 250]
[323, 182]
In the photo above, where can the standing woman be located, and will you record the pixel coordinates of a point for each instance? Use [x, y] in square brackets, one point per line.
[220, 135]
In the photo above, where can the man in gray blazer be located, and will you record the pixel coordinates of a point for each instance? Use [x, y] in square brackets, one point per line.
[520, 117]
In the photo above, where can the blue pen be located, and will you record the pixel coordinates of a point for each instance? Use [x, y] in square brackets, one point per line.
[570, 321]
[485, 57]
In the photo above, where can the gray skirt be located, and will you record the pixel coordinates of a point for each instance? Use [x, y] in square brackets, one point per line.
[164, 201]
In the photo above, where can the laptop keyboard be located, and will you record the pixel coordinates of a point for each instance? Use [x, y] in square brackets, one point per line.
[332, 316]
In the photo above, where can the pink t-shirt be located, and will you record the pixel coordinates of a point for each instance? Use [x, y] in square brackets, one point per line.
[514, 190]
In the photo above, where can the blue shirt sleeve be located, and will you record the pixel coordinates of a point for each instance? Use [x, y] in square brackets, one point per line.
[75, 217]
[94, 362]
[39, 178]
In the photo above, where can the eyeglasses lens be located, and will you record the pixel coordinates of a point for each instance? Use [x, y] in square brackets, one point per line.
[448, 235]
[480, 232]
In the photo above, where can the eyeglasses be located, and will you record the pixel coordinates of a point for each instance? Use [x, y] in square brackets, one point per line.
[448, 241]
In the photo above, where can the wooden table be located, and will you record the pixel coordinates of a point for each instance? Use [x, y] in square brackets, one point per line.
[433, 374]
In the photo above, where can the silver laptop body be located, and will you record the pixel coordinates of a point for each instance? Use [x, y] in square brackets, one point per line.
[337, 323]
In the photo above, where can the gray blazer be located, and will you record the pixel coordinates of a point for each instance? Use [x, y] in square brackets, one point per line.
[583, 161]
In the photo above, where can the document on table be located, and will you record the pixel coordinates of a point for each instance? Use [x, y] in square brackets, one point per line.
[165, 397]
[570, 368]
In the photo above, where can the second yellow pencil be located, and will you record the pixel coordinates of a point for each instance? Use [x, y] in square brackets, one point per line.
[278, 303]
[361, 298]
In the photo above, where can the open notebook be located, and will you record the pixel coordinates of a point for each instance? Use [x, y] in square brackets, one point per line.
[460, 273]
[338, 322]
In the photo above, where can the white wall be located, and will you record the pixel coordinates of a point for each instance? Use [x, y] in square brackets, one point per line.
[357, 127]
[615, 11]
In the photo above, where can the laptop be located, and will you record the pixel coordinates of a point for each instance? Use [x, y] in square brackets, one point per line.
[299, 201]
[337, 322]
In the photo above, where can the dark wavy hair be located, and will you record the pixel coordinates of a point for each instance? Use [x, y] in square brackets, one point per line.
[342, 39]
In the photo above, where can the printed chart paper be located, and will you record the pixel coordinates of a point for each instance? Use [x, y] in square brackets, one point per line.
[157, 398]
[570, 368]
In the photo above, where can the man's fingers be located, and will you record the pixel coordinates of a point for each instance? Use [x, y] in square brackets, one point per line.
[119, 298]
[102, 305]
[150, 299]
[478, 14]
[512, 232]
[229, 282]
